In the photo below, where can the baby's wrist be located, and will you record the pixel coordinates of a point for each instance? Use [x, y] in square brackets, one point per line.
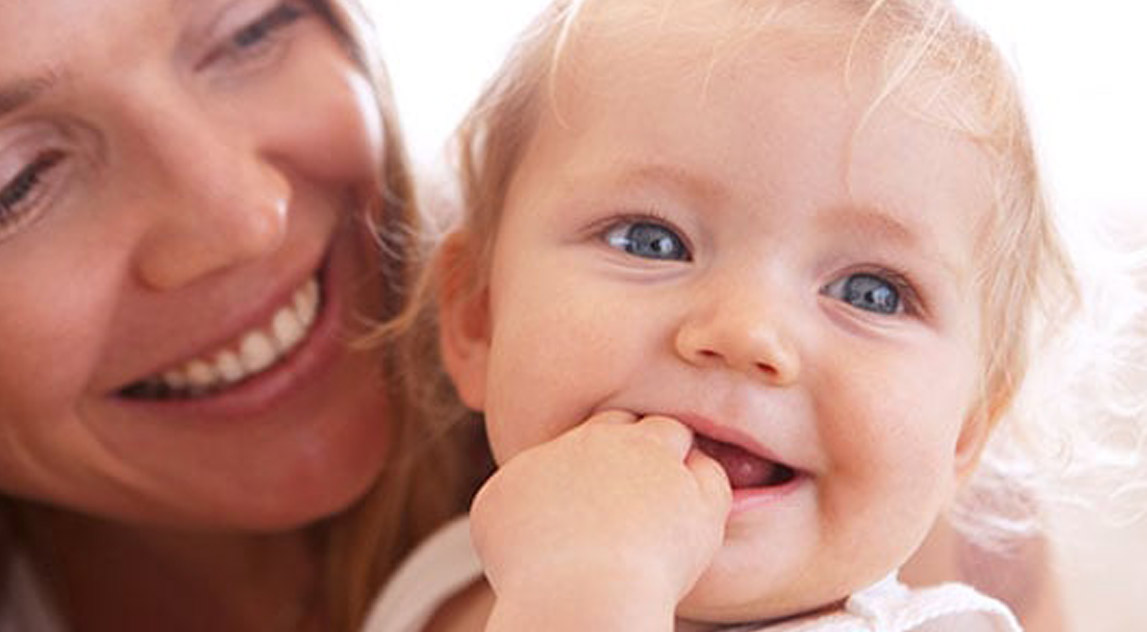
[577, 603]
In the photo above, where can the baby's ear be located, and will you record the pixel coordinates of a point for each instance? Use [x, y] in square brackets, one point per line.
[973, 438]
[463, 317]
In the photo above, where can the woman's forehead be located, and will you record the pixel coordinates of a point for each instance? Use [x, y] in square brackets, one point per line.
[65, 33]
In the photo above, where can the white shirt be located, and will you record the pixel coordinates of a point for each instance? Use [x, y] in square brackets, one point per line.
[23, 606]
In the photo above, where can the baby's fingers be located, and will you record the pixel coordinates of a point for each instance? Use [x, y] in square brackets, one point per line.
[712, 480]
[611, 418]
[676, 436]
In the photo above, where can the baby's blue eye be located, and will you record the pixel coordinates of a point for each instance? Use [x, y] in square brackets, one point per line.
[648, 240]
[868, 292]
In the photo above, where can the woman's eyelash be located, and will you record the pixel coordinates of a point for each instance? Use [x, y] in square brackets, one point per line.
[24, 185]
[281, 15]
[256, 36]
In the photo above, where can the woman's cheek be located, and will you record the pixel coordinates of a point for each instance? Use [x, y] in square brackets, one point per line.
[365, 126]
[337, 135]
[53, 326]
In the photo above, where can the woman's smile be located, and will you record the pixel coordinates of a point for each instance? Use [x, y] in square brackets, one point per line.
[250, 354]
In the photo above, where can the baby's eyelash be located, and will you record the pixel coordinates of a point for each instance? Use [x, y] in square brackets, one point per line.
[611, 232]
[910, 297]
[651, 216]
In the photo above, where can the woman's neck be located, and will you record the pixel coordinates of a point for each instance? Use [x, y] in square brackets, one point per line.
[108, 576]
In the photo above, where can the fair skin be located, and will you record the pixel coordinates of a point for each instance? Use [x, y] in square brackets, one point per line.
[757, 283]
[169, 193]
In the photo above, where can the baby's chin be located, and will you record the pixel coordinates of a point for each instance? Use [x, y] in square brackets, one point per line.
[739, 598]
[695, 614]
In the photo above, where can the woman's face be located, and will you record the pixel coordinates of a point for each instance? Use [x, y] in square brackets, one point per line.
[183, 262]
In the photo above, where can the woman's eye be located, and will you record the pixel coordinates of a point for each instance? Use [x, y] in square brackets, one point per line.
[21, 190]
[268, 24]
[253, 39]
[867, 292]
[648, 240]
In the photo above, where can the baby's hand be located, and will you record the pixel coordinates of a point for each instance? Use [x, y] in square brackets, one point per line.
[613, 521]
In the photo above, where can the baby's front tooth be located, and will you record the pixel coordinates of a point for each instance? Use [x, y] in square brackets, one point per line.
[257, 352]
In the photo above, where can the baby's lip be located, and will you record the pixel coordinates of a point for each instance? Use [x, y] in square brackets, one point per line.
[725, 433]
[747, 463]
[744, 469]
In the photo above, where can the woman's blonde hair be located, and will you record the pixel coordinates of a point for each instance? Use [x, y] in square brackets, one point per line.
[425, 480]
[928, 58]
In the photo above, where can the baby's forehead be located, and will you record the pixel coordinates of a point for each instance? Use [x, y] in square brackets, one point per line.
[900, 57]
[711, 30]
[872, 65]
[691, 50]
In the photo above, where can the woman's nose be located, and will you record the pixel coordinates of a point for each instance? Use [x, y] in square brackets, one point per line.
[213, 200]
[740, 330]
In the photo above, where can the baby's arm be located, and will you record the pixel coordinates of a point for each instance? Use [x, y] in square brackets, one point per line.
[604, 528]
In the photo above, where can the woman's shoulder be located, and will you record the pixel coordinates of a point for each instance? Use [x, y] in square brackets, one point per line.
[23, 605]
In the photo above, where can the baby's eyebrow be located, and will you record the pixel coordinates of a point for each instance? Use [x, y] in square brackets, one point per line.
[637, 173]
[883, 226]
[866, 220]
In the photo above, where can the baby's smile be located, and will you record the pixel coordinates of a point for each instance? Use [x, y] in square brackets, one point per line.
[745, 469]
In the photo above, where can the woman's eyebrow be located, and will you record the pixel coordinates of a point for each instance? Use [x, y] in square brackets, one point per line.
[18, 93]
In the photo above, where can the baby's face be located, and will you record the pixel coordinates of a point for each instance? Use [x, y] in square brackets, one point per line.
[701, 232]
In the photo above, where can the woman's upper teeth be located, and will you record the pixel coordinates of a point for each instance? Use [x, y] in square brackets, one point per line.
[255, 351]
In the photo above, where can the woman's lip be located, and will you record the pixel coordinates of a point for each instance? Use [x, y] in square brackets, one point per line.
[236, 326]
[263, 391]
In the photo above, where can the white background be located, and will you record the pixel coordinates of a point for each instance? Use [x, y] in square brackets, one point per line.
[1084, 70]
